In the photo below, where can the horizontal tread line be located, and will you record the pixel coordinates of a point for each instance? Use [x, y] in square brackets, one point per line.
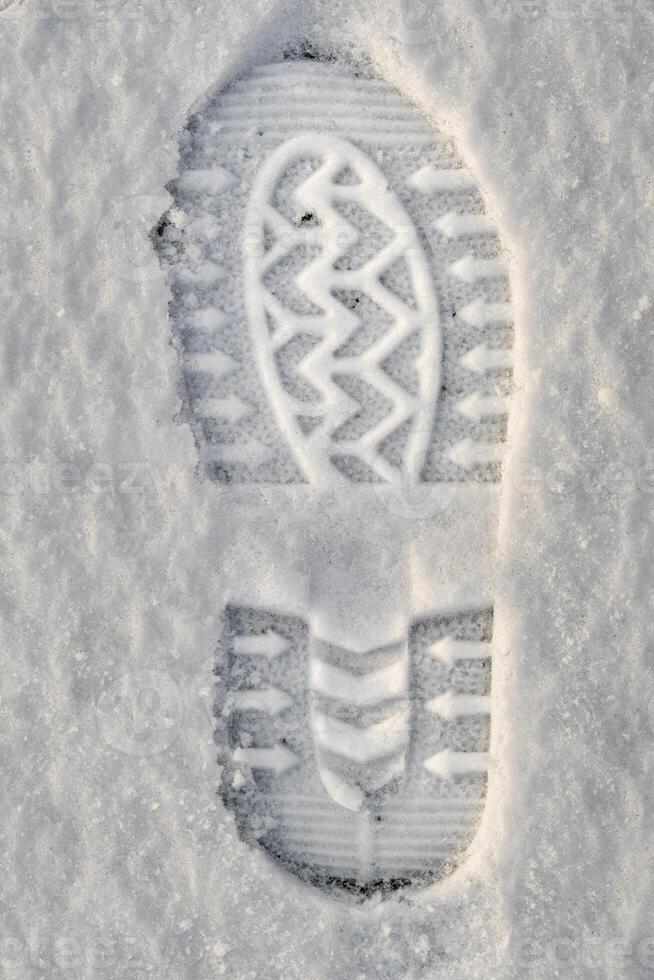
[366, 115]
[244, 123]
[235, 98]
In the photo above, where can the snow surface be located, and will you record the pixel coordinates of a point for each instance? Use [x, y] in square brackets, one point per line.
[118, 859]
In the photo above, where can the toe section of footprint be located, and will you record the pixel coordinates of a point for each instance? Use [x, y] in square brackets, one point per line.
[339, 293]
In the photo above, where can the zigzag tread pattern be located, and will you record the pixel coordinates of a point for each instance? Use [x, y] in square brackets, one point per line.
[329, 236]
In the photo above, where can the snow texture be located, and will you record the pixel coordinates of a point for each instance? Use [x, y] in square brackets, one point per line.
[118, 857]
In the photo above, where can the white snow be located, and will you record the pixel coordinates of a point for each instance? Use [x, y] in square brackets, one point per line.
[118, 858]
